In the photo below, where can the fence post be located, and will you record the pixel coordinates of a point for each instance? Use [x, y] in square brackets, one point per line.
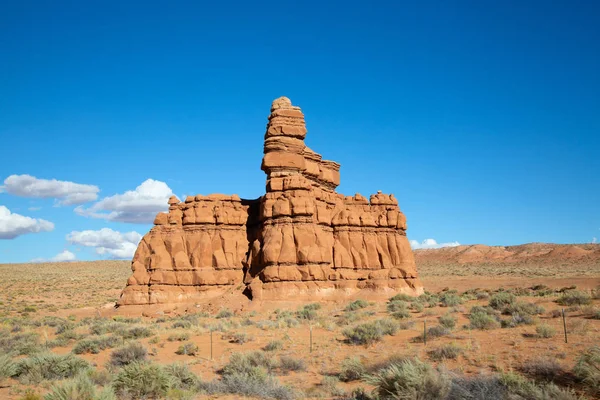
[311, 339]
[565, 324]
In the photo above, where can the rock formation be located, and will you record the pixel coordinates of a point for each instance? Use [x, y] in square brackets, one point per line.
[301, 240]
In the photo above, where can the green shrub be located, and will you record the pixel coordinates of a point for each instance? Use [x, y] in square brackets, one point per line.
[308, 312]
[501, 300]
[521, 388]
[287, 363]
[545, 368]
[128, 354]
[49, 366]
[357, 305]
[417, 307]
[449, 299]
[187, 349]
[225, 313]
[352, 369]
[545, 331]
[588, 369]
[448, 351]
[398, 309]
[370, 332]
[522, 308]
[79, 388]
[402, 297]
[410, 379]
[8, 368]
[20, 344]
[240, 338]
[141, 380]
[273, 345]
[574, 298]
[94, 345]
[448, 321]
[245, 363]
[181, 377]
[480, 319]
[516, 320]
[135, 332]
[178, 336]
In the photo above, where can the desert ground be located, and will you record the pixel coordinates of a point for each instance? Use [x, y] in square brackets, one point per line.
[489, 326]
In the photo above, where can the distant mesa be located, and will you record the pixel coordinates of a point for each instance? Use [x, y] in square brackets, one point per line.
[299, 241]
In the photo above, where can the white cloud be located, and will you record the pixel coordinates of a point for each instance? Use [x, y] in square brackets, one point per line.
[431, 244]
[106, 241]
[63, 256]
[13, 225]
[594, 240]
[68, 193]
[138, 206]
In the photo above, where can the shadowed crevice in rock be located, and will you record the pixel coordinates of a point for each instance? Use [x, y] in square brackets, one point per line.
[301, 240]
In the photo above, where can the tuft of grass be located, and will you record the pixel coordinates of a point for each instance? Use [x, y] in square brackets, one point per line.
[94, 345]
[483, 318]
[141, 381]
[402, 297]
[410, 379]
[446, 352]
[587, 369]
[500, 300]
[273, 345]
[308, 312]
[450, 299]
[79, 388]
[187, 349]
[352, 369]
[49, 366]
[545, 331]
[447, 321]
[357, 305]
[574, 298]
[239, 337]
[245, 363]
[130, 353]
[544, 368]
[178, 337]
[8, 368]
[370, 332]
[398, 309]
[287, 363]
[225, 313]
[181, 377]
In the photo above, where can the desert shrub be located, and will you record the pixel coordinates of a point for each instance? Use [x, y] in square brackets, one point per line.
[357, 305]
[135, 332]
[516, 320]
[428, 300]
[181, 324]
[239, 337]
[8, 368]
[308, 312]
[20, 344]
[368, 332]
[49, 366]
[518, 385]
[574, 297]
[480, 318]
[448, 351]
[555, 313]
[410, 379]
[128, 354]
[501, 300]
[141, 380]
[187, 349]
[596, 293]
[433, 333]
[417, 307]
[542, 368]
[225, 313]
[79, 388]
[398, 309]
[450, 299]
[401, 297]
[178, 337]
[287, 363]
[273, 345]
[94, 345]
[245, 363]
[254, 384]
[104, 326]
[545, 331]
[349, 317]
[405, 324]
[329, 384]
[587, 369]
[352, 369]
[521, 307]
[182, 377]
[447, 321]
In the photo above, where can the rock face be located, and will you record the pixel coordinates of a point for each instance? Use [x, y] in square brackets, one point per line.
[300, 241]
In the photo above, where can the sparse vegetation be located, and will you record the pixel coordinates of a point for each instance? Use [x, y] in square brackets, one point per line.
[128, 354]
[445, 352]
[141, 380]
[370, 332]
[545, 331]
[49, 366]
[187, 349]
[357, 305]
[574, 298]
[588, 369]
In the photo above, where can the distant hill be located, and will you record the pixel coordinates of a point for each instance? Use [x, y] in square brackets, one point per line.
[544, 259]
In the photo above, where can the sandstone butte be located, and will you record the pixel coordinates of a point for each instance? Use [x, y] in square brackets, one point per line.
[299, 241]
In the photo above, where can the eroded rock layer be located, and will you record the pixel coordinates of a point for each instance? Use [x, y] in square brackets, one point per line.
[301, 240]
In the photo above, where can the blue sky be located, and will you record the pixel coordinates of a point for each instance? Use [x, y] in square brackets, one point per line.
[483, 118]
